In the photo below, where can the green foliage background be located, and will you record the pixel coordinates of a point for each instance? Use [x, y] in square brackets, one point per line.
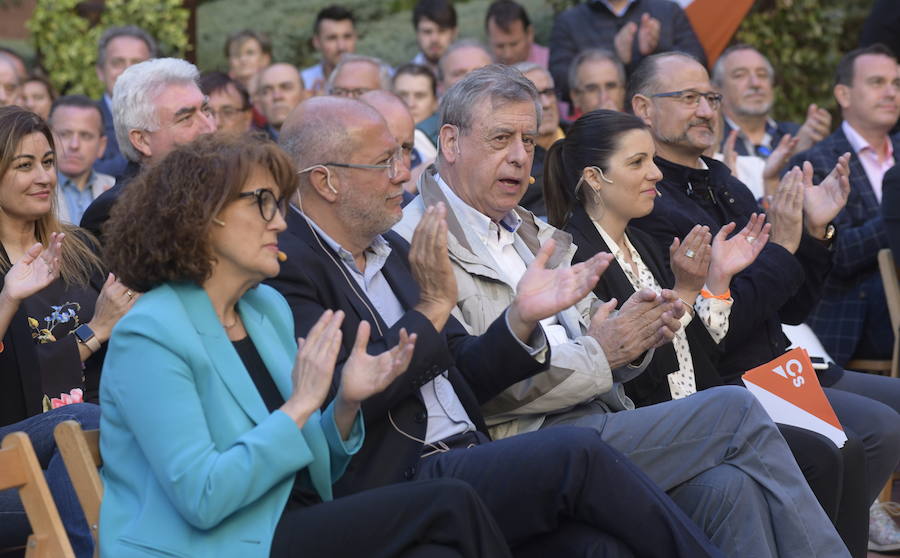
[804, 39]
[385, 27]
[66, 44]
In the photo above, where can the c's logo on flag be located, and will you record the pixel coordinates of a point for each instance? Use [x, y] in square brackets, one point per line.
[792, 368]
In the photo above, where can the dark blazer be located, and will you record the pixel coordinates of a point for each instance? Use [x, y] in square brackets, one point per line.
[652, 386]
[779, 287]
[840, 317]
[112, 161]
[479, 367]
[776, 133]
[98, 212]
[890, 209]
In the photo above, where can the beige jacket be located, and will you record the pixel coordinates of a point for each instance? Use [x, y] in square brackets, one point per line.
[579, 371]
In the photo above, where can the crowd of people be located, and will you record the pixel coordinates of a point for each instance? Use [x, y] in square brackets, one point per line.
[496, 301]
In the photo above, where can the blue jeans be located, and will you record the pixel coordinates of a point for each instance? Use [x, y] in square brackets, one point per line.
[14, 526]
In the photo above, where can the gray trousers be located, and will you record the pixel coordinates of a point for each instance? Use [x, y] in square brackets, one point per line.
[725, 463]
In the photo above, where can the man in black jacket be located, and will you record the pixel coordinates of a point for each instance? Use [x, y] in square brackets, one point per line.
[633, 29]
[565, 486]
[673, 95]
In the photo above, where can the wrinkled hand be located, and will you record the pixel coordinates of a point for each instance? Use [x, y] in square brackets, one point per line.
[431, 268]
[364, 375]
[690, 272]
[646, 320]
[624, 40]
[114, 301]
[36, 269]
[314, 366]
[786, 211]
[732, 255]
[543, 292]
[815, 128]
[648, 35]
[779, 157]
[822, 203]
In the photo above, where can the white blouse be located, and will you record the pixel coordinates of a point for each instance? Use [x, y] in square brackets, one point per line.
[713, 312]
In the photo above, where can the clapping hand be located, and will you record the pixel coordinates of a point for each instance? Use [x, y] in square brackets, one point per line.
[648, 35]
[364, 375]
[36, 269]
[732, 255]
[776, 160]
[690, 262]
[646, 320]
[114, 301]
[429, 261]
[543, 292]
[815, 128]
[786, 211]
[822, 203]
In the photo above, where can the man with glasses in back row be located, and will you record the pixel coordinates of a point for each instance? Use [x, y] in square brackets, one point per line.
[157, 105]
[229, 102]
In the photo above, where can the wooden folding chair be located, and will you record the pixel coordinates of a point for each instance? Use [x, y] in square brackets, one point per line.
[80, 450]
[19, 468]
[891, 282]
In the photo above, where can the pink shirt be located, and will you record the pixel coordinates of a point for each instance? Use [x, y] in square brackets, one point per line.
[540, 55]
[875, 164]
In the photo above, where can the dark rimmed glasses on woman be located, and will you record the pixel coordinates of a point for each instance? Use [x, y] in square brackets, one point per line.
[268, 204]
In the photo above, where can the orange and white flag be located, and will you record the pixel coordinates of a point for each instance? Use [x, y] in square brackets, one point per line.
[715, 22]
[789, 391]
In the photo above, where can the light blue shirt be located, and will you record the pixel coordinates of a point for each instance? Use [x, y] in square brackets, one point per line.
[76, 200]
[446, 414]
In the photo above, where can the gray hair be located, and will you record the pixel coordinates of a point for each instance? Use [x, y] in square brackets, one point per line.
[527, 66]
[124, 31]
[592, 55]
[718, 72]
[135, 93]
[458, 45]
[495, 83]
[385, 72]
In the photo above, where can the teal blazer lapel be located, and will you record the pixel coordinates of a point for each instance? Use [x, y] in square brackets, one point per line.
[280, 367]
[220, 351]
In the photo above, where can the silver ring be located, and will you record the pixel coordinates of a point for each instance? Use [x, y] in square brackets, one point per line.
[690, 253]
[750, 239]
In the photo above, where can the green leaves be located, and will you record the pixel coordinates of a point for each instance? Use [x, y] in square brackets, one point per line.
[66, 43]
[804, 40]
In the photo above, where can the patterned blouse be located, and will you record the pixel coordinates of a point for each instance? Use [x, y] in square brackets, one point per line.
[712, 312]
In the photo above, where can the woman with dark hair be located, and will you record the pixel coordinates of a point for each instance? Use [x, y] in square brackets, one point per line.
[600, 177]
[38, 95]
[212, 436]
[53, 349]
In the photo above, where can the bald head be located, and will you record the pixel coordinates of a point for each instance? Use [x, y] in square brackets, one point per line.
[395, 112]
[279, 90]
[325, 128]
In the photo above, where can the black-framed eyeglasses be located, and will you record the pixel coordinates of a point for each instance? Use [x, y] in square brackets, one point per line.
[268, 204]
[691, 98]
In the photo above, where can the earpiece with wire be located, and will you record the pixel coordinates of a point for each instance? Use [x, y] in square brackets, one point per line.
[327, 175]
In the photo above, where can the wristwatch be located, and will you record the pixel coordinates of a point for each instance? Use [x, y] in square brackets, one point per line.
[85, 336]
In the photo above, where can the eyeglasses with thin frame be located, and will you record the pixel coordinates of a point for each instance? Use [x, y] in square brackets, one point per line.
[392, 166]
[691, 98]
[268, 204]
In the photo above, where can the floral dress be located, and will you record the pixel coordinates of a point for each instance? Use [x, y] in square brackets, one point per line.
[53, 314]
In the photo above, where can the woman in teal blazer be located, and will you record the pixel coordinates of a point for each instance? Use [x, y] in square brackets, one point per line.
[211, 434]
